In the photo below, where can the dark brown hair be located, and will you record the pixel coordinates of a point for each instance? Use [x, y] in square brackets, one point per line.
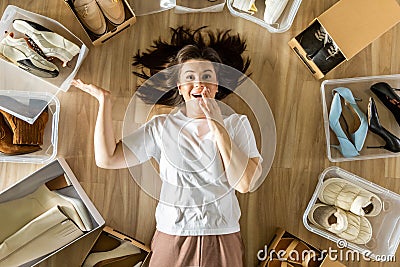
[221, 48]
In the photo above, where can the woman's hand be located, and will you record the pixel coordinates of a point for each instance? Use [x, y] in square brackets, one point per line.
[212, 111]
[99, 93]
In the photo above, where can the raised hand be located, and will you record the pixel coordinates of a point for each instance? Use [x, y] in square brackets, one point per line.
[97, 92]
[211, 109]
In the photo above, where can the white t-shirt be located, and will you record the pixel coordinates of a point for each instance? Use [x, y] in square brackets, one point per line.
[195, 198]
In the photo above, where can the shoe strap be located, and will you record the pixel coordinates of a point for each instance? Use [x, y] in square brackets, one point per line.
[291, 247]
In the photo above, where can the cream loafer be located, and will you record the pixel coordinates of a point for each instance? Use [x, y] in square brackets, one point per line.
[90, 15]
[113, 10]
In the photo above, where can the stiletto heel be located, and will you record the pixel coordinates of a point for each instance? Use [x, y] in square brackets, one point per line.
[392, 142]
[389, 98]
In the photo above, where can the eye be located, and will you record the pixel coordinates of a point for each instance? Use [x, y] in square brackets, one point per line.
[207, 76]
[189, 77]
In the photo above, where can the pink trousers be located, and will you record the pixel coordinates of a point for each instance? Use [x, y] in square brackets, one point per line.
[205, 251]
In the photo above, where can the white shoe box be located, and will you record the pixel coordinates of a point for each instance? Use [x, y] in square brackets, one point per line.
[80, 246]
[385, 226]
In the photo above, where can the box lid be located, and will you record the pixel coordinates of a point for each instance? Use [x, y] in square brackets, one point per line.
[354, 24]
[13, 78]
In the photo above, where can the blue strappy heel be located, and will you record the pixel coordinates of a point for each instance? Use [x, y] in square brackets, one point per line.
[346, 147]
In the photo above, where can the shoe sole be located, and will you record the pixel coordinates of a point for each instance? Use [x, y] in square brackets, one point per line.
[27, 59]
[51, 43]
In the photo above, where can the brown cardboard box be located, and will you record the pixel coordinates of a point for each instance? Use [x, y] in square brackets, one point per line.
[112, 30]
[273, 250]
[110, 240]
[352, 25]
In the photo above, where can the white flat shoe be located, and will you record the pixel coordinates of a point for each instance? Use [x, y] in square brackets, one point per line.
[350, 197]
[346, 225]
[51, 43]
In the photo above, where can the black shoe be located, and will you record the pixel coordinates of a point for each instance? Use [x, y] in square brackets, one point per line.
[312, 39]
[392, 142]
[328, 57]
[389, 98]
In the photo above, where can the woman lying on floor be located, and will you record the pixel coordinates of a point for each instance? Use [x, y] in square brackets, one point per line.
[214, 155]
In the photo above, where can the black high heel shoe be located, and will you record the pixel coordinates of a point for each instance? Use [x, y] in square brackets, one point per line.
[388, 97]
[392, 142]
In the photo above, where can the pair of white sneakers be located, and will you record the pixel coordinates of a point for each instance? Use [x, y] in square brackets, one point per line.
[31, 54]
[273, 8]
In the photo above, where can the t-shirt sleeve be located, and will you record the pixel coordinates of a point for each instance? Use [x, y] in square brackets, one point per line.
[243, 136]
[143, 142]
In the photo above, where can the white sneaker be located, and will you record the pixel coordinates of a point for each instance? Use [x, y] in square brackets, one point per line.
[19, 53]
[273, 10]
[51, 43]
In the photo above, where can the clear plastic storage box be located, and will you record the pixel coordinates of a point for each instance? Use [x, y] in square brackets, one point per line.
[50, 138]
[14, 78]
[282, 24]
[385, 226]
[360, 88]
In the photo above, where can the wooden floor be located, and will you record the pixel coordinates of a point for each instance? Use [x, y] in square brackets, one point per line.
[293, 95]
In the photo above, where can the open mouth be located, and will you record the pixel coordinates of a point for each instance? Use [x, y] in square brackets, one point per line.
[196, 95]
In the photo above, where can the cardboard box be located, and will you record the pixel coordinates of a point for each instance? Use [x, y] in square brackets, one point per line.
[111, 240]
[112, 30]
[30, 183]
[352, 25]
[274, 251]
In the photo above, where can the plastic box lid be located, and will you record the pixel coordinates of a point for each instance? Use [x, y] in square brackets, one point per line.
[13, 78]
[385, 226]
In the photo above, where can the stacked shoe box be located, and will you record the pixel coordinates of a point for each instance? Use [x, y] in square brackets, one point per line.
[104, 19]
[361, 88]
[288, 250]
[115, 249]
[31, 74]
[275, 15]
[355, 213]
[53, 215]
[342, 31]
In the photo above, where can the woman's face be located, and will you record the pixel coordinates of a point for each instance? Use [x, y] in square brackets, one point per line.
[195, 77]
